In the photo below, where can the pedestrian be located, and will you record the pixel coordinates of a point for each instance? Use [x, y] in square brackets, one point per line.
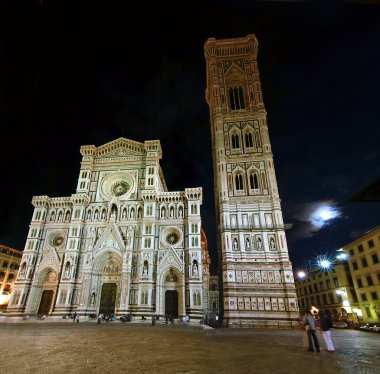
[153, 320]
[99, 318]
[326, 324]
[75, 317]
[311, 332]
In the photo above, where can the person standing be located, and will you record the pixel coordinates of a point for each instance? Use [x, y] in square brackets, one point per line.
[311, 332]
[326, 324]
[75, 317]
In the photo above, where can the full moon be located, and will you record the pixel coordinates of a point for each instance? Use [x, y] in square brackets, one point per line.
[324, 214]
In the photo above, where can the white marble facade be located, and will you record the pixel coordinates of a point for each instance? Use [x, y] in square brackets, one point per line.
[121, 242]
[258, 284]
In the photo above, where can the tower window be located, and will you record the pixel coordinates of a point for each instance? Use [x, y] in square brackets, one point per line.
[248, 140]
[253, 181]
[236, 98]
[235, 141]
[239, 182]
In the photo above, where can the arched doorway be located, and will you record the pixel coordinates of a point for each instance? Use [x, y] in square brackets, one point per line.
[46, 301]
[108, 299]
[171, 303]
[47, 296]
[172, 296]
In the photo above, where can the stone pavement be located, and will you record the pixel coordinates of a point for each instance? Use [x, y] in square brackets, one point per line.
[34, 347]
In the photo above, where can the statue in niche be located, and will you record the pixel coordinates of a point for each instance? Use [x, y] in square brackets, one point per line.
[235, 244]
[171, 212]
[180, 212]
[145, 268]
[67, 269]
[247, 244]
[67, 219]
[233, 221]
[113, 216]
[92, 297]
[132, 213]
[272, 244]
[124, 214]
[89, 215]
[195, 268]
[103, 214]
[60, 216]
[23, 270]
[52, 217]
[96, 217]
[259, 243]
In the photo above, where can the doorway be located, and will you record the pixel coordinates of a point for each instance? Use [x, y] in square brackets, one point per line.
[171, 303]
[108, 299]
[45, 304]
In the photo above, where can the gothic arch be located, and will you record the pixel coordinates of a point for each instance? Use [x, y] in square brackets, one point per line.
[239, 181]
[253, 179]
[235, 138]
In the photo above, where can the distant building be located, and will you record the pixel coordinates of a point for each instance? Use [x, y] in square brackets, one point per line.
[211, 312]
[122, 243]
[364, 265]
[350, 289]
[9, 263]
[330, 290]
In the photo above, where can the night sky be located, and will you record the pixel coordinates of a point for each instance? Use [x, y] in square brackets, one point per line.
[73, 75]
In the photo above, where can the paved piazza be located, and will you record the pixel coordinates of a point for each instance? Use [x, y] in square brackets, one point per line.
[109, 348]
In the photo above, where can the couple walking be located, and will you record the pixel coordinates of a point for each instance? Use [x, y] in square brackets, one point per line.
[325, 325]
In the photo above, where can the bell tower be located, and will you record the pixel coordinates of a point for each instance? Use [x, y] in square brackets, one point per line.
[256, 273]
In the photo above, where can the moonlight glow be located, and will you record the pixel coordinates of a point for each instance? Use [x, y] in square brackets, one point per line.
[323, 214]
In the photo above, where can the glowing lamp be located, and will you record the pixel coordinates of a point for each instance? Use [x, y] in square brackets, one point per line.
[301, 274]
[339, 292]
[325, 264]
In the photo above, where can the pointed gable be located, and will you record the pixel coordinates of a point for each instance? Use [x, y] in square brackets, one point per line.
[111, 238]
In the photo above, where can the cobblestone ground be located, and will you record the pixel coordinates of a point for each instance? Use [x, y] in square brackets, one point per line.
[110, 348]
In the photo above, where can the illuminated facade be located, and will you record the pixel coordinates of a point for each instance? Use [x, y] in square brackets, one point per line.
[330, 290]
[257, 276]
[364, 254]
[350, 289]
[9, 263]
[121, 244]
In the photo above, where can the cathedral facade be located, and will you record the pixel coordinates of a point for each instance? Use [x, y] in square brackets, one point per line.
[122, 244]
[257, 285]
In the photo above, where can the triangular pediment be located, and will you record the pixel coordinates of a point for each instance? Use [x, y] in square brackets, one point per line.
[111, 238]
[50, 259]
[170, 258]
[234, 70]
[121, 147]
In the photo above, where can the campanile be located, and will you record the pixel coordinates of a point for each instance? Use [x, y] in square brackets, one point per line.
[256, 273]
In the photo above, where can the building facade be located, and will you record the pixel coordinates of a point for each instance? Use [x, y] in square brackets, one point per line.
[9, 264]
[331, 290]
[122, 243]
[257, 278]
[350, 289]
[364, 254]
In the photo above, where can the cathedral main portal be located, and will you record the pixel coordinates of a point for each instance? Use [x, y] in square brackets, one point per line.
[45, 304]
[108, 299]
[171, 303]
